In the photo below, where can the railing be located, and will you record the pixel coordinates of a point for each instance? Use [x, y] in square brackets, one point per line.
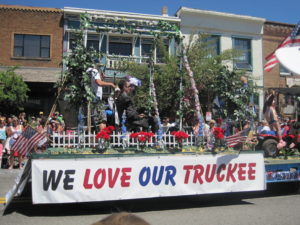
[117, 140]
[115, 62]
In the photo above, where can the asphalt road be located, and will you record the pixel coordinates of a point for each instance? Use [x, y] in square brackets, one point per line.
[278, 205]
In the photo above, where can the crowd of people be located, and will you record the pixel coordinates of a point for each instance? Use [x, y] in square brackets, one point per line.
[11, 127]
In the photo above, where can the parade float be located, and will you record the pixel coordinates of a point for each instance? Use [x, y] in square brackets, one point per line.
[86, 166]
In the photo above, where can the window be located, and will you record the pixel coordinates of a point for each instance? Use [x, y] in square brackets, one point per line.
[284, 71]
[243, 61]
[93, 42]
[147, 47]
[73, 24]
[72, 43]
[120, 46]
[31, 46]
[213, 43]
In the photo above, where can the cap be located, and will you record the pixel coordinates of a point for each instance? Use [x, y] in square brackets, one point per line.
[134, 81]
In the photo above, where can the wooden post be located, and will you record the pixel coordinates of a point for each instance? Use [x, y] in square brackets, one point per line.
[89, 121]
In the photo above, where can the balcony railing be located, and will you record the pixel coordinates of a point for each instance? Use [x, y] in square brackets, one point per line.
[116, 62]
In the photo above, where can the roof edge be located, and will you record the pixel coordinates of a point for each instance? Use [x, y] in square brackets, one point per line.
[221, 14]
[30, 8]
[120, 13]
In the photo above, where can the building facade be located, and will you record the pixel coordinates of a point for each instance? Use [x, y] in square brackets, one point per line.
[279, 78]
[118, 35]
[36, 39]
[32, 39]
[231, 31]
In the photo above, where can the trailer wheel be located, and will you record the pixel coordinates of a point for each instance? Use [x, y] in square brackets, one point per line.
[270, 147]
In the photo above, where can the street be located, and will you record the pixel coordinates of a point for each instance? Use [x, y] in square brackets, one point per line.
[278, 205]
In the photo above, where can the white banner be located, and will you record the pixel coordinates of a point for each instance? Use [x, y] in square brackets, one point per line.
[116, 178]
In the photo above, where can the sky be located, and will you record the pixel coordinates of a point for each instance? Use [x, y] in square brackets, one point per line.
[286, 11]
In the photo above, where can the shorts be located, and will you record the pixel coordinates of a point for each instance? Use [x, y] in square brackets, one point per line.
[98, 110]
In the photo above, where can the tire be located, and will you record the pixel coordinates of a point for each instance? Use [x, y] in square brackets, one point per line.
[270, 147]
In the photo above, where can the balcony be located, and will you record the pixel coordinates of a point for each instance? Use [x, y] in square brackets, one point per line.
[118, 62]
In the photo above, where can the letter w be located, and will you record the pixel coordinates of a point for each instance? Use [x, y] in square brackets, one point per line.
[51, 179]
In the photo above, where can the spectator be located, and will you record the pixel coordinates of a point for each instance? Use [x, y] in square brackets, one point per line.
[22, 118]
[9, 121]
[54, 127]
[33, 121]
[61, 121]
[41, 114]
[2, 138]
[14, 132]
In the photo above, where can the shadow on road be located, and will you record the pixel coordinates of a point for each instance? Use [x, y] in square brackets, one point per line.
[153, 204]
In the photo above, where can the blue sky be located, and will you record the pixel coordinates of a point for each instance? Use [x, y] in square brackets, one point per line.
[281, 11]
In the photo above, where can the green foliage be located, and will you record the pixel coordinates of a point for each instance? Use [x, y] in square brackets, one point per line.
[213, 79]
[166, 81]
[76, 83]
[235, 95]
[13, 91]
[169, 30]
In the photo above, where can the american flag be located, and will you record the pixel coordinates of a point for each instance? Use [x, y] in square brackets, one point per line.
[27, 140]
[237, 138]
[292, 40]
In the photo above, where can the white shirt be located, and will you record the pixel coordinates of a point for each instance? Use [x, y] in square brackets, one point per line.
[95, 75]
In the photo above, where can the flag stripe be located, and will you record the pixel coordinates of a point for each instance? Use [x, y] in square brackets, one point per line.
[292, 40]
[237, 138]
[26, 141]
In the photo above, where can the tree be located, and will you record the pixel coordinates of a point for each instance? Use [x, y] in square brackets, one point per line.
[13, 91]
[166, 80]
[235, 94]
[214, 78]
[76, 82]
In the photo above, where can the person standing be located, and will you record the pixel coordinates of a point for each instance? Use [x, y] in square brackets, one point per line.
[14, 132]
[2, 138]
[97, 83]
